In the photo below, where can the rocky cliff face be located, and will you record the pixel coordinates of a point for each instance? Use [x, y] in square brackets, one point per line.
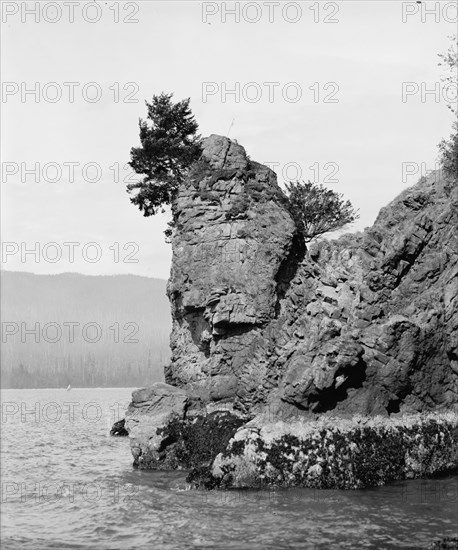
[366, 324]
[384, 314]
[233, 256]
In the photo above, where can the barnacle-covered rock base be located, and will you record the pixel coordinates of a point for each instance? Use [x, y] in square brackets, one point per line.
[335, 453]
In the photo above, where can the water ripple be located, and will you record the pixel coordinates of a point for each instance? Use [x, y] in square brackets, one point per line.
[66, 485]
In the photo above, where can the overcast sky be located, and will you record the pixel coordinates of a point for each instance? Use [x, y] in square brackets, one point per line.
[359, 141]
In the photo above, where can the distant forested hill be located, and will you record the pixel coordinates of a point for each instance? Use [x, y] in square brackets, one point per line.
[87, 331]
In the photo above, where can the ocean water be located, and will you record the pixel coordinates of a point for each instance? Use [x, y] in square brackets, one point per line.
[66, 484]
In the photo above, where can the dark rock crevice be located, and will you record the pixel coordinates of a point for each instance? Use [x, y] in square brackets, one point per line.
[288, 269]
[346, 378]
[200, 329]
[228, 330]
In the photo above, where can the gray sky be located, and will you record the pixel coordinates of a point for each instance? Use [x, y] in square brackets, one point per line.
[360, 61]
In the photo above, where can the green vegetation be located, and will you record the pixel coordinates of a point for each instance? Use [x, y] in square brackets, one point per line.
[171, 149]
[108, 336]
[449, 148]
[317, 210]
[169, 145]
[239, 207]
[449, 154]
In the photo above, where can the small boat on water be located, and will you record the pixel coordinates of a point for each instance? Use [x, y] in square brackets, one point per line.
[69, 387]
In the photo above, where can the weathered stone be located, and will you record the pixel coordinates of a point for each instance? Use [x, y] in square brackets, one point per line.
[366, 324]
[118, 429]
[335, 453]
[152, 408]
[223, 153]
[241, 286]
[227, 271]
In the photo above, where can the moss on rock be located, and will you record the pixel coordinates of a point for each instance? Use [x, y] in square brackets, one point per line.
[194, 443]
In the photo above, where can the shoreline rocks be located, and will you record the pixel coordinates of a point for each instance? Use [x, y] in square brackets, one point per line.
[118, 429]
[351, 344]
[169, 430]
[221, 449]
[335, 453]
[152, 408]
[363, 324]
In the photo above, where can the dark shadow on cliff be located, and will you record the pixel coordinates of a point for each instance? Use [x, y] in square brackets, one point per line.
[198, 327]
[288, 269]
[231, 330]
[328, 398]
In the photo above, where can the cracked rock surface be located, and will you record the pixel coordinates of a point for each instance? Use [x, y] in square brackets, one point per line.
[270, 330]
[366, 324]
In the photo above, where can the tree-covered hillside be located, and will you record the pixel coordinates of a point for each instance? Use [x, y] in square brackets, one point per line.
[82, 330]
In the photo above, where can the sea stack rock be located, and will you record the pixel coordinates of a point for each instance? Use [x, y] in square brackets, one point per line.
[365, 324]
[232, 256]
[268, 332]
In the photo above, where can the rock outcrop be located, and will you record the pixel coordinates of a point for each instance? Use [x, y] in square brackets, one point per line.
[150, 410]
[336, 453]
[118, 429]
[366, 324]
[232, 256]
[380, 314]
